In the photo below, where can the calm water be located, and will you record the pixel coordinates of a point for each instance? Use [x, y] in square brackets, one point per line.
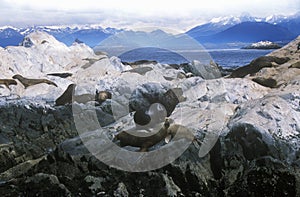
[224, 57]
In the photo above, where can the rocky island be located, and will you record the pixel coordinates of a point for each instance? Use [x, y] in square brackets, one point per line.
[245, 126]
[262, 45]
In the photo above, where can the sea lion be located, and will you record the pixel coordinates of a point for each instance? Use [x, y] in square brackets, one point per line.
[145, 96]
[8, 82]
[127, 139]
[171, 98]
[101, 96]
[30, 82]
[67, 96]
[61, 75]
[148, 119]
[177, 132]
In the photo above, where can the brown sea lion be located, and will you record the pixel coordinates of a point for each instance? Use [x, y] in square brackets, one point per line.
[101, 96]
[127, 139]
[177, 132]
[171, 98]
[30, 82]
[8, 82]
[67, 96]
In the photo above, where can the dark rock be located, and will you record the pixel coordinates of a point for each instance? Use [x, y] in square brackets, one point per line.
[44, 185]
[206, 71]
[78, 41]
[267, 82]
[62, 75]
[140, 70]
[27, 42]
[257, 64]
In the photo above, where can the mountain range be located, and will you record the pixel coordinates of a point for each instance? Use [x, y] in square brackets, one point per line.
[229, 29]
[246, 28]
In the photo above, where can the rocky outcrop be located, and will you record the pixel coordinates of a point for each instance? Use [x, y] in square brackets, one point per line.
[245, 135]
[262, 45]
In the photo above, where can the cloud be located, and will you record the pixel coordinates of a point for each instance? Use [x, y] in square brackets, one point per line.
[135, 13]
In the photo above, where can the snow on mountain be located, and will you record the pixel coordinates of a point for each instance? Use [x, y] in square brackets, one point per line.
[89, 34]
[219, 24]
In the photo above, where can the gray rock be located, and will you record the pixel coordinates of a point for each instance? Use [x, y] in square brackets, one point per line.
[206, 71]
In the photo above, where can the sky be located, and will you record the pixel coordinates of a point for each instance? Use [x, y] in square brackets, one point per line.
[134, 14]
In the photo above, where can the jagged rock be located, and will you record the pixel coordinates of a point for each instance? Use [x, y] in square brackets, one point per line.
[45, 185]
[121, 191]
[245, 136]
[27, 42]
[210, 71]
[257, 64]
[269, 82]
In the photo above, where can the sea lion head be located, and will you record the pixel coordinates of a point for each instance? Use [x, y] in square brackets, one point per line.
[101, 96]
[17, 76]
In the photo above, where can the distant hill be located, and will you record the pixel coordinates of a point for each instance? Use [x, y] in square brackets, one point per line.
[250, 32]
[292, 24]
[219, 24]
[89, 34]
[10, 36]
[90, 37]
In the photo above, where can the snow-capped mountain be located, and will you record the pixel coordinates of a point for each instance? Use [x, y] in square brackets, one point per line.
[219, 23]
[89, 34]
[92, 35]
[217, 29]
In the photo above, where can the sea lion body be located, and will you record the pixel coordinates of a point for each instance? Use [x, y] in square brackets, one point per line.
[67, 96]
[127, 139]
[8, 82]
[177, 132]
[30, 82]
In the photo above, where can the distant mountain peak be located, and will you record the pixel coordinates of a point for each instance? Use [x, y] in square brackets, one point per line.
[225, 20]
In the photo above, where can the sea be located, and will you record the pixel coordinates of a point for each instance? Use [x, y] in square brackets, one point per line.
[227, 58]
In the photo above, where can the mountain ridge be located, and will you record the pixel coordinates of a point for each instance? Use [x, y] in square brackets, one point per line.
[93, 34]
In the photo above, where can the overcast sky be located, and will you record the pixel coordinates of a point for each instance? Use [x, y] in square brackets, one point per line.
[179, 15]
